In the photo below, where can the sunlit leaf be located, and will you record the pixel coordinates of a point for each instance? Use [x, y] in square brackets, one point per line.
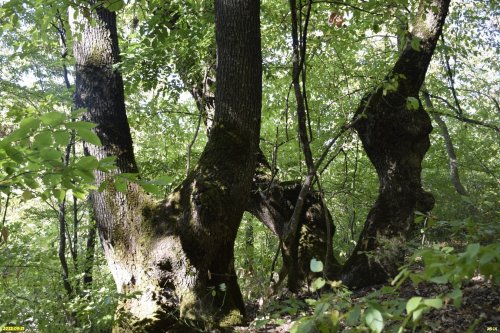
[316, 265]
[374, 320]
[53, 118]
[412, 304]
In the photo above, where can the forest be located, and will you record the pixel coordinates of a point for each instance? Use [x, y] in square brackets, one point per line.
[249, 166]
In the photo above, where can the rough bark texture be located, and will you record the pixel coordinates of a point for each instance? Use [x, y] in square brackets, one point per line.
[177, 255]
[272, 202]
[396, 138]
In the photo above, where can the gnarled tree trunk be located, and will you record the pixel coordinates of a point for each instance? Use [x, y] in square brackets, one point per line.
[178, 254]
[395, 135]
[272, 202]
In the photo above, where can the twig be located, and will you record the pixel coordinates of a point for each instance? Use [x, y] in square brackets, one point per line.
[5, 210]
[450, 78]
[202, 109]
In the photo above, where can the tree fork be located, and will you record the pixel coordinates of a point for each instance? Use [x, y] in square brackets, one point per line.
[178, 254]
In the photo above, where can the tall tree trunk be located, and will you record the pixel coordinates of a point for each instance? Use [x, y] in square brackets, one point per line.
[395, 131]
[272, 202]
[450, 149]
[177, 254]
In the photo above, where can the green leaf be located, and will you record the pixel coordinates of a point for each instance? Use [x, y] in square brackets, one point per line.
[31, 183]
[316, 266]
[27, 195]
[487, 257]
[53, 118]
[80, 194]
[412, 304]
[18, 134]
[304, 325]
[89, 136]
[150, 188]
[472, 250]
[43, 139]
[62, 137]
[59, 194]
[163, 180]
[129, 176]
[107, 164]
[412, 103]
[439, 279]
[436, 303]
[114, 5]
[121, 184]
[261, 323]
[415, 43]
[51, 179]
[29, 122]
[87, 163]
[456, 296]
[49, 154]
[318, 283]
[14, 154]
[353, 318]
[87, 175]
[374, 320]
[79, 125]
[417, 314]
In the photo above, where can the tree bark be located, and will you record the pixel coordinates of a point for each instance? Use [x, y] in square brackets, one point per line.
[272, 202]
[178, 254]
[89, 256]
[395, 137]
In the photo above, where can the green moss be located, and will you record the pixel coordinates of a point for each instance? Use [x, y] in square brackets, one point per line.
[233, 318]
[96, 55]
[188, 306]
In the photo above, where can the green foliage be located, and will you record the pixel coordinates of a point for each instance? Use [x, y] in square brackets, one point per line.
[254, 253]
[382, 308]
[30, 278]
[442, 265]
[168, 47]
[35, 157]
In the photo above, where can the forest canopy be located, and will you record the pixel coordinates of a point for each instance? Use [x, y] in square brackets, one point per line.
[244, 165]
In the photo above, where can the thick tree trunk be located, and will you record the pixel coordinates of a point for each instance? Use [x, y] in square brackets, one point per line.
[395, 136]
[177, 255]
[272, 202]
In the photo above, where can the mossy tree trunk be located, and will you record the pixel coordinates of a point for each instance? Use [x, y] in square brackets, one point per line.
[178, 254]
[394, 129]
[272, 202]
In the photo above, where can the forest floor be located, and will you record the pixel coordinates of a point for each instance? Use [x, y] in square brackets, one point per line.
[479, 312]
